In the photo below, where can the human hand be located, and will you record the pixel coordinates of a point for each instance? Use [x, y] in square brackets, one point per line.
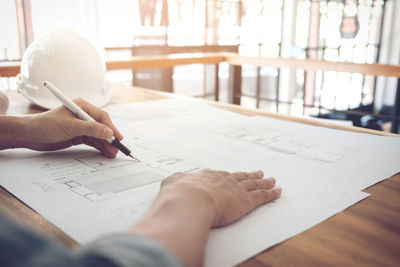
[189, 204]
[59, 129]
[224, 196]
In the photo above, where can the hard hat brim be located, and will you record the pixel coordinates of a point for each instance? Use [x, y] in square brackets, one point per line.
[51, 103]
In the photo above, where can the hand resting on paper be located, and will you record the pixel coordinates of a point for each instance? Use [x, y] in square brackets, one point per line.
[190, 204]
[59, 129]
[226, 196]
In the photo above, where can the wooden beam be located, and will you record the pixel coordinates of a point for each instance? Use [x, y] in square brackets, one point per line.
[312, 64]
[8, 69]
[164, 50]
[165, 61]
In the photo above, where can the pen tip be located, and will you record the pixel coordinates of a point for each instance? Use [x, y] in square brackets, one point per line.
[44, 84]
[134, 157]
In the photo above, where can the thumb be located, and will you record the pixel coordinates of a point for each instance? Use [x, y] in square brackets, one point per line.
[93, 129]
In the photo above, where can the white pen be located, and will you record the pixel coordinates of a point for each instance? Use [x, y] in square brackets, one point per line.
[74, 108]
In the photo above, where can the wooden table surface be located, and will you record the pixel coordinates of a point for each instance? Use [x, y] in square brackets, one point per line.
[366, 234]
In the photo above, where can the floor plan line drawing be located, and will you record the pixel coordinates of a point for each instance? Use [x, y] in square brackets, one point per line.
[97, 178]
[287, 144]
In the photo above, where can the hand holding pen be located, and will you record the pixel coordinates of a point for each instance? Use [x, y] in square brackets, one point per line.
[78, 112]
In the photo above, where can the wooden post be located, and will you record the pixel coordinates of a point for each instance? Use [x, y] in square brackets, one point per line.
[237, 84]
[396, 106]
[258, 87]
[216, 92]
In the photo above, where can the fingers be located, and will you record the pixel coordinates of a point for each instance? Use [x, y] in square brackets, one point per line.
[253, 184]
[262, 196]
[91, 128]
[50, 147]
[240, 176]
[98, 115]
[104, 147]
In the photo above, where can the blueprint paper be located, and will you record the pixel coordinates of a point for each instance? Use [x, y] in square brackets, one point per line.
[361, 160]
[272, 224]
[168, 136]
[266, 226]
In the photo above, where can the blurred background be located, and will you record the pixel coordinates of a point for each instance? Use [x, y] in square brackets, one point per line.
[359, 31]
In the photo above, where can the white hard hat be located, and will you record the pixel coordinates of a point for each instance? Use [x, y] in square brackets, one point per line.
[4, 102]
[68, 61]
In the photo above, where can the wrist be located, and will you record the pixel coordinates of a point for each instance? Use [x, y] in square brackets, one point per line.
[181, 222]
[13, 131]
[174, 206]
[196, 206]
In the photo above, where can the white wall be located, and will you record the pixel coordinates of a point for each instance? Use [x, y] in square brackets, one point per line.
[8, 31]
[76, 14]
[103, 22]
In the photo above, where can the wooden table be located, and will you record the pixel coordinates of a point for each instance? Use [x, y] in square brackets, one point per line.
[367, 233]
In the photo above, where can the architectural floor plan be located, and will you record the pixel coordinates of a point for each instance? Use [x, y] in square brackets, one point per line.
[97, 178]
[321, 171]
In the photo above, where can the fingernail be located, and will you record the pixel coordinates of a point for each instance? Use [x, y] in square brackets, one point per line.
[107, 133]
[278, 191]
[260, 173]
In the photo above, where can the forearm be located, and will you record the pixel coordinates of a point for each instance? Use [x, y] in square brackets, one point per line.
[181, 227]
[13, 131]
[21, 247]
